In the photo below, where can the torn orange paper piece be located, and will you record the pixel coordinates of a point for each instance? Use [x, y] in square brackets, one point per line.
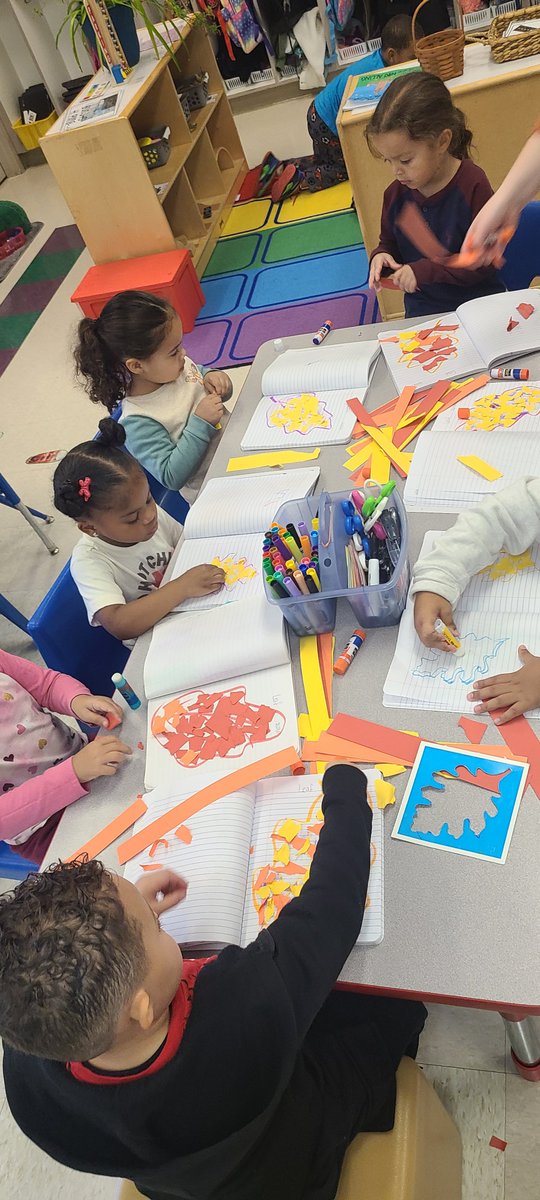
[153, 866]
[153, 849]
[201, 799]
[525, 310]
[110, 832]
[521, 739]
[184, 834]
[473, 730]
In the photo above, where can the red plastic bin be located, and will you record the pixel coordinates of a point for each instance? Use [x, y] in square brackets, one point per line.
[171, 275]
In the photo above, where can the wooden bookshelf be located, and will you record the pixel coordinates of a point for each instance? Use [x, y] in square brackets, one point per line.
[101, 172]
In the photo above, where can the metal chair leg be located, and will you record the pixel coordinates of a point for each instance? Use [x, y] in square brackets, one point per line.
[27, 514]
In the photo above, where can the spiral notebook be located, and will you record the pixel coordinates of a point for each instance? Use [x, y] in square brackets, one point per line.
[438, 482]
[246, 856]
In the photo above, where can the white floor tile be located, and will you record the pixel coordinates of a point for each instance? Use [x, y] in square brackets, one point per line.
[522, 1154]
[463, 1037]
[476, 1102]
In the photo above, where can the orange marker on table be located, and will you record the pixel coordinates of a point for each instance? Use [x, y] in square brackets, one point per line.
[347, 655]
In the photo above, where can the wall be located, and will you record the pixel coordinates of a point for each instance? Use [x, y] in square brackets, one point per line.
[28, 53]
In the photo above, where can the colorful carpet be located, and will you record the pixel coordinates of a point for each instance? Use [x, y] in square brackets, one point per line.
[279, 270]
[37, 285]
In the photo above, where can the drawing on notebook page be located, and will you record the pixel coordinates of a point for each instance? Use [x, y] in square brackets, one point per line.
[237, 570]
[294, 843]
[461, 801]
[298, 414]
[478, 658]
[491, 411]
[508, 565]
[427, 348]
[199, 726]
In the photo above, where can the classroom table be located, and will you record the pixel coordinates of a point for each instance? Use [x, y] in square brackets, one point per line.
[457, 930]
[501, 102]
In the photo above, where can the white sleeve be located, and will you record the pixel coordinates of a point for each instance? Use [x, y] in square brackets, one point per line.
[96, 582]
[509, 520]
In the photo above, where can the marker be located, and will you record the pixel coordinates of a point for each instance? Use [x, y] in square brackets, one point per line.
[347, 655]
[449, 637]
[311, 572]
[323, 332]
[373, 572]
[311, 586]
[304, 537]
[300, 581]
[121, 684]
[278, 588]
[291, 529]
[509, 373]
[293, 548]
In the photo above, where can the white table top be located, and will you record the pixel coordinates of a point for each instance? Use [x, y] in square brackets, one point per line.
[455, 927]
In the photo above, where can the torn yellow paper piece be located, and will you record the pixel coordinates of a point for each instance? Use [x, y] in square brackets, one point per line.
[474, 463]
[389, 769]
[289, 829]
[385, 793]
[272, 458]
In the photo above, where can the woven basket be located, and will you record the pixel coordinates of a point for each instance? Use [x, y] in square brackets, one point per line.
[504, 49]
[440, 53]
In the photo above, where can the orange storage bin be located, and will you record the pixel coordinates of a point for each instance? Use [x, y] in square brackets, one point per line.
[171, 275]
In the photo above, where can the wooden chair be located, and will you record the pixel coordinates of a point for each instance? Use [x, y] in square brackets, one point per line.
[419, 1159]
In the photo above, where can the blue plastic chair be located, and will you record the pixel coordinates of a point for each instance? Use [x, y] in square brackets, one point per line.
[12, 866]
[12, 614]
[522, 253]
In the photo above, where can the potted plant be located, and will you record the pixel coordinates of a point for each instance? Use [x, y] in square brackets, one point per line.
[123, 14]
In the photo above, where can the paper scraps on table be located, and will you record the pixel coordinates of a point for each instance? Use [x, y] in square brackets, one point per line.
[497, 1143]
[480, 466]
[521, 739]
[385, 793]
[205, 796]
[391, 744]
[271, 458]
[101, 840]
[473, 730]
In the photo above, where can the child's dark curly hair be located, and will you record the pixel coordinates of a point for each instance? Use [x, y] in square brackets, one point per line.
[421, 105]
[90, 474]
[70, 962]
[132, 325]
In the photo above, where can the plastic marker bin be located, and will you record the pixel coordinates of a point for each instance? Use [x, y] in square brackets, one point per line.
[380, 604]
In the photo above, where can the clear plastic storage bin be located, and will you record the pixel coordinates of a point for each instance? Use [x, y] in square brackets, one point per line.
[380, 604]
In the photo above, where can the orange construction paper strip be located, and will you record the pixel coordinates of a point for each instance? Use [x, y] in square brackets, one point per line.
[391, 744]
[380, 438]
[401, 406]
[473, 730]
[336, 747]
[454, 397]
[521, 739]
[110, 832]
[201, 799]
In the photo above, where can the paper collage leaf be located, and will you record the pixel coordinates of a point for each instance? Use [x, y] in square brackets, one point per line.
[237, 570]
[501, 411]
[428, 348]
[508, 565]
[199, 726]
[298, 414]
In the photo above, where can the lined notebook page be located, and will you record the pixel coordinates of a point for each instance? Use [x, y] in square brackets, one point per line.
[328, 366]
[240, 556]
[186, 651]
[466, 360]
[437, 482]
[492, 404]
[220, 727]
[301, 419]
[486, 322]
[299, 800]
[246, 503]
[498, 611]
[213, 863]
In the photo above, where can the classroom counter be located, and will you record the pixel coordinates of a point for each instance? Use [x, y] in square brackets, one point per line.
[455, 928]
[501, 102]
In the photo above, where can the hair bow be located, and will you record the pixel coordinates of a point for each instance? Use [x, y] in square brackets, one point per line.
[84, 488]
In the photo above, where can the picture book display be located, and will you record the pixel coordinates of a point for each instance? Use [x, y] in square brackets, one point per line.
[370, 86]
[305, 396]
[225, 525]
[498, 611]
[245, 856]
[219, 690]
[461, 801]
[480, 334]
[495, 406]
[451, 471]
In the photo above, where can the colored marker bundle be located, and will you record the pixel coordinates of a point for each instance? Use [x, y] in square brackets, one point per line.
[291, 559]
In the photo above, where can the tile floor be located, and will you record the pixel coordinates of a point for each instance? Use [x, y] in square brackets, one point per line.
[42, 408]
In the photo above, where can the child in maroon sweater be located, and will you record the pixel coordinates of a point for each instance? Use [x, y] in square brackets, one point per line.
[241, 1077]
[419, 131]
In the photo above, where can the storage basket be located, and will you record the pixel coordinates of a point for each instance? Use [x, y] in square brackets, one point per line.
[30, 135]
[440, 53]
[10, 241]
[520, 45]
[193, 93]
[156, 147]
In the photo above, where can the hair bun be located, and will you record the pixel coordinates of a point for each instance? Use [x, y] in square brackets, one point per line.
[112, 432]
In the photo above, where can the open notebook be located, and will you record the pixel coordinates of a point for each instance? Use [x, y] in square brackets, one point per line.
[220, 692]
[225, 526]
[510, 407]
[438, 482]
[498, 611]
[305, 396]
[234, 854]
[472, 339]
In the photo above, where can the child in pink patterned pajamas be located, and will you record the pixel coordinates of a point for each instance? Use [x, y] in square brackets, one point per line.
[45, 765]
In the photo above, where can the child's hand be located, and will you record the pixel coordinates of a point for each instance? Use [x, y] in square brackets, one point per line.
[201, 581]
[219, 382]
[517, 692]
[210, 408]
[405, 279]
[102, 757]
[427, 608]
[491, 230]
[378, 262]
[94, 709]
[169, 886]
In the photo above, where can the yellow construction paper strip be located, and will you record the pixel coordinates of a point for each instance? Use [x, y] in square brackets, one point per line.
[385, 793]
[385, 442]
[380, 465]
[480, 466]
[421, 425]
[319, 716]
[360, 458]
[273, 458]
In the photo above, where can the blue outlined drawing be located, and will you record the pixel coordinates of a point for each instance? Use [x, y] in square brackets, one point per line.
[480, 653]
[484, 833]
